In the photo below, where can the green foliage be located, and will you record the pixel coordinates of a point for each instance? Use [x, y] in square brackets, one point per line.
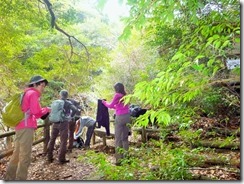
[213, 102]
[228, 140]
[30, 47]
[193, 46]
[210, 102]
[129, 63]
[148, 162]
[190, 136]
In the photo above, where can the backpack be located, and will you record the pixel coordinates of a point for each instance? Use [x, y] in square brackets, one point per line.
[77, 105]
[134, 109]
[12, 113]
[78, 143]
[58, 113]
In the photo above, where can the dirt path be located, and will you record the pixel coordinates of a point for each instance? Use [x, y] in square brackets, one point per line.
[40, 169]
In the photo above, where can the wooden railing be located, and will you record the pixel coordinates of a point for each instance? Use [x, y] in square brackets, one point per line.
[45, 139]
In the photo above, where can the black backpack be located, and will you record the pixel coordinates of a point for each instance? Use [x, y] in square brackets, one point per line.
[136, 111]
[78, 143]
[77, 105]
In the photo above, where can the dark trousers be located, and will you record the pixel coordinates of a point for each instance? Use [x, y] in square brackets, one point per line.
[89, 133]
[71, 134]
[62, 129]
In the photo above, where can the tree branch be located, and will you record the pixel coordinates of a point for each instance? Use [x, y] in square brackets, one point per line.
[55, 25]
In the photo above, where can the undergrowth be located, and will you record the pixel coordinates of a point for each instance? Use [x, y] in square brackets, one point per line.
[156, 161]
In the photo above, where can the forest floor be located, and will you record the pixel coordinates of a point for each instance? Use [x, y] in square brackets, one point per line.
[40, 169]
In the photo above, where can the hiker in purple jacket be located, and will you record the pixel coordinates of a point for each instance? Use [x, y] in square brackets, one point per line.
[122, 120]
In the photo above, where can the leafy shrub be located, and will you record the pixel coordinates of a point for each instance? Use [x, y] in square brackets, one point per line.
[149, 162]
[218, 101]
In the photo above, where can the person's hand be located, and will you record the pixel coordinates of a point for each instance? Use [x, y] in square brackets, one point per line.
[49, 109]
[75, 137]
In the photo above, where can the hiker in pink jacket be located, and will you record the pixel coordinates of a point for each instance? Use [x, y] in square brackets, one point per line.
[122, 120]
[18, 166]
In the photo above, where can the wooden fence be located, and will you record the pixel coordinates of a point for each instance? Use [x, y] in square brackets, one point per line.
[45, 139]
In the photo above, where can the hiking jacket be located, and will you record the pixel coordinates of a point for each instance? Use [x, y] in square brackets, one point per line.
[117, 104]
[102, 118]
[84, 121]
[33, 109]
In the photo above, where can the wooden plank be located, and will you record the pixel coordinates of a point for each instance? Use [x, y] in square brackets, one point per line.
[139, 129]
[46, 135]
[145, 131]
[101, 133]
[9, 152]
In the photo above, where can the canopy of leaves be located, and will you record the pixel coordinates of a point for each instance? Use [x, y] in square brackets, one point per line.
[30, 46]
[194, 39]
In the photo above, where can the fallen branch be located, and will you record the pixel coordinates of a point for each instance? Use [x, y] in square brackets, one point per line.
[217, 144]
[207, 160]
[67, 176]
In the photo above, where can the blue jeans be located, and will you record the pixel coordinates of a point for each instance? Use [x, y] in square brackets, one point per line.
[89, 133]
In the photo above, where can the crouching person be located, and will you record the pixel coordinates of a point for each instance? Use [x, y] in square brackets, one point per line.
[90, 123]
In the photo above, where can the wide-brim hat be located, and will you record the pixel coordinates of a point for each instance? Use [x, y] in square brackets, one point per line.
[37, 78]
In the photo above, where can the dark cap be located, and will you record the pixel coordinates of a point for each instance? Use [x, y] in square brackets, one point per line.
[37, 78]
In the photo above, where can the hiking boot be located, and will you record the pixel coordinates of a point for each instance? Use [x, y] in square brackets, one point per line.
[63, 161]
[69, 151]
[50, 160]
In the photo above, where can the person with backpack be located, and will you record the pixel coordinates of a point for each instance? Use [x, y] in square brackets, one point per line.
[90, 123]
[62, 112]
[122, 121]
[17, 168]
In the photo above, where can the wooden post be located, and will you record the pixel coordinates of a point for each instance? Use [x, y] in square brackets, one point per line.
[143, 135]
[46, 135]
[9, 141]
[93, 138]
[104, 140]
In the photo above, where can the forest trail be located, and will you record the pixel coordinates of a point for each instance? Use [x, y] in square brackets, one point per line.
[219, 163]
[40, 169]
